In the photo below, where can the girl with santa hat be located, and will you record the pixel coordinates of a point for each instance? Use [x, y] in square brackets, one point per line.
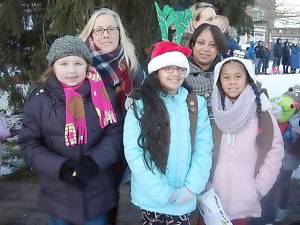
[169, 166]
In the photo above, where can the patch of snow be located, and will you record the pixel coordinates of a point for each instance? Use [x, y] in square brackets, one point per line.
[296, 174]
[6, 170]
[4, 100]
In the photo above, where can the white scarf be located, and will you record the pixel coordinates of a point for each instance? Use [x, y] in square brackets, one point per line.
[236, 115]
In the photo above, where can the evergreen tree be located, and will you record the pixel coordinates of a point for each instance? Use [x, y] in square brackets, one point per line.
[28, 27]
[234, 10]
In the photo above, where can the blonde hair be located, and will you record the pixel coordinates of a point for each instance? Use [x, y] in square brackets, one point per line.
[125, 41]
[224, 20]
[196, 10]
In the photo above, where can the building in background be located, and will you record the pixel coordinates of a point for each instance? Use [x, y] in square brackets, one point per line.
[287, 23]
[263, 14]
[274, 19]
[292, 34]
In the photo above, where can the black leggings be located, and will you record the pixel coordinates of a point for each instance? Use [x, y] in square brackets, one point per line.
[153, 218]
[284, 182]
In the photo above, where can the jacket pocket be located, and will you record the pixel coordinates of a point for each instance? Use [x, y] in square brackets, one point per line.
[55, 191]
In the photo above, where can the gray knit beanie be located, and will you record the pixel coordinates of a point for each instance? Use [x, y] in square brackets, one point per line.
[294, 93]
[68, 46]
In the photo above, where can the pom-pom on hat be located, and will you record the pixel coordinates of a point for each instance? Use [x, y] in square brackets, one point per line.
[167, 53]
[68, 46]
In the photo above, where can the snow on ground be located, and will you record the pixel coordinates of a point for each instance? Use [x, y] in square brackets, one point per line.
[296, 174]
[277, 84]
[6, 170]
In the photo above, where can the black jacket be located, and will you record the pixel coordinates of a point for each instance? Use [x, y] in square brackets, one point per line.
[43, 147]
[259, 51]
[278, 50]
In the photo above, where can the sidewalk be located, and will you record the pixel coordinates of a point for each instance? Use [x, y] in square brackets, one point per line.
[18, 204]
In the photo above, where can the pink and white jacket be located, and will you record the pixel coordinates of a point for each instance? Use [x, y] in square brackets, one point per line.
[235, 181]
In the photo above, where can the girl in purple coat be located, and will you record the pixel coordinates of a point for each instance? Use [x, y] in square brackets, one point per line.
[72, 138]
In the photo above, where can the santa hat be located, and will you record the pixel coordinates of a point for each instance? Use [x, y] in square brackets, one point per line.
[167, 53]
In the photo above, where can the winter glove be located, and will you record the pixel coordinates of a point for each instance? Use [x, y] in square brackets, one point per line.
[184, 195]
[87, 169]
[68, 172]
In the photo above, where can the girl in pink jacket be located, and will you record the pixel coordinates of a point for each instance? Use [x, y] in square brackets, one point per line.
[248, 143]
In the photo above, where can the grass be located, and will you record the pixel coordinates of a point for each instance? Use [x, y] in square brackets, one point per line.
[12, 150]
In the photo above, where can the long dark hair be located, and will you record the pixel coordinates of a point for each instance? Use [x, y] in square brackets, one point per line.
[250, 81]
[154, 122]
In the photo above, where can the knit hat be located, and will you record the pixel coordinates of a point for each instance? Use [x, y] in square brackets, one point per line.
[167, 53]
[68, 46]
[247, 63]
[294, 93]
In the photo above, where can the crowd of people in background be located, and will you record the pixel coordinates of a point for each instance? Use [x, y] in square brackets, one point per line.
[194, 119]
[285, 57]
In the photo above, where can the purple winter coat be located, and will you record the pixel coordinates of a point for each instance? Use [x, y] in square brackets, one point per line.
[43, 147]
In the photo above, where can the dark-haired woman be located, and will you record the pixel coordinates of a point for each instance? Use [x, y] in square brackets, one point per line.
[248, 145]
[207, 43]
[167, 171]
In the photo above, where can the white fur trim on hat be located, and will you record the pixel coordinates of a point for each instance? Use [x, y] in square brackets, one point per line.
[169, 59]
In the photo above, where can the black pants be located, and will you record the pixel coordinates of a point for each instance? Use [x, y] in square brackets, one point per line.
[268, 206]
[268, 202]
[285, 68]
[153, 218]
[265, 66]
[284, 187]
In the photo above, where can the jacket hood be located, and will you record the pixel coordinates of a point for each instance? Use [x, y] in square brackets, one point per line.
[247, 63]
[265, 103]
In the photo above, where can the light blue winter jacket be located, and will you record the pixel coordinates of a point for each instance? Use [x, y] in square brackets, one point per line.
[152, 191]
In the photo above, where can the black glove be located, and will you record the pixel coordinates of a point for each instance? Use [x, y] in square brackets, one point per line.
[68, 172]
[87, 168]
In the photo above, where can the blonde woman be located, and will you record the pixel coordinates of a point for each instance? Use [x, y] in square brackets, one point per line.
[113, 54]
[202, 12]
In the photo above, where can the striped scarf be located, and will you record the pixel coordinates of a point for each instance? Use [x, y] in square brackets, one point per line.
[113, 70]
